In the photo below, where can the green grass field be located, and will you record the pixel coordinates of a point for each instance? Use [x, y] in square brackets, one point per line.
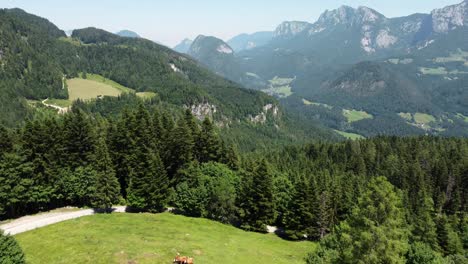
[465, 118]
[147, 238]
[421, 118]
[280, 87]
[59, 102]
[354, 115]
[406, 116]
[433, 71]
[101, 79]
[460, 55]
[401, 61]
[86, 89]
[307, 102]
[351, 136]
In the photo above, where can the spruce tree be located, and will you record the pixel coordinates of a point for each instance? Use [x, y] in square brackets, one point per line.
[424, 229]
[258, 208]
[107, 185]
[149, 185]
[10, 251]
[300, 218]
[208, 145]
[79, 139]
[180, 149]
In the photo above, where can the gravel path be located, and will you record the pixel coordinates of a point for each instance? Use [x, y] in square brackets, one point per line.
[31, 222]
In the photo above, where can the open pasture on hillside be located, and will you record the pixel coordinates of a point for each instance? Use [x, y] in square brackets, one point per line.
[155, 238]
[85, 89]
[354, 115]
[351, 136]
[280, 87]
[422, 118]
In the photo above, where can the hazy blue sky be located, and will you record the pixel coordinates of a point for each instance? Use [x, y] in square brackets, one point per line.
[170, 21]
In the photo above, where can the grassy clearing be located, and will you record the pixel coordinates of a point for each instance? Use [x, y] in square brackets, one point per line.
[465, 118]
[147, 238]
[401, 61]
[406, 116]
[101, 79]
[433, 71]
[280, 87]
[72, 41]
[459, 56]
[439, 71]
[146, 95]
[421, 118]
[351, 136]
[59, 102]
[86, 89]
[307, 102]
[354, 115]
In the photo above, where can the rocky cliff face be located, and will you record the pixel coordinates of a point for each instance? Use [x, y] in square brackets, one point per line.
[290, 29]
[450, 17]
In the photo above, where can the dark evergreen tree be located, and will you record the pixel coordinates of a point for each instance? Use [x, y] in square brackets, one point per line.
[149, 186]
[208, 145]
[10, 251]
[79, 139]
[257, 208]
[107, 185]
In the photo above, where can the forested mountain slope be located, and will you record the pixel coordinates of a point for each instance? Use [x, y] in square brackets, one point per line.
[37, 59]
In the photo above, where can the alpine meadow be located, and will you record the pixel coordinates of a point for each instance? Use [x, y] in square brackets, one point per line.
[342, 139]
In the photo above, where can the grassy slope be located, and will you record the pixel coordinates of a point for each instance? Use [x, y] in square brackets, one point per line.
[422, 118]
[353, 115]
[89, 89]
[101, 79]
[146, 238]
[351, 136]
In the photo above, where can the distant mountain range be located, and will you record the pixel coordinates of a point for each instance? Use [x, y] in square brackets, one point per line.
[250, 41]
[416, 65]
[184, 46]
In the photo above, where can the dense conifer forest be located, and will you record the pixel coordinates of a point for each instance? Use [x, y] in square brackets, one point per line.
[398, 198]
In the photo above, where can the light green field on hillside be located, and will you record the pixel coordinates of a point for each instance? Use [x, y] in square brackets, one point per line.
[354, 115]
[103, 80]
[93, 87]
[280, 87]
[401, 61]
[406, 116]
[433, 71]
[422, 118]
[307, 102]
[59, 102]
[460, 55]
[465, 118]
[86, 89]
[439, 71]
[351, 136]
[148, 238]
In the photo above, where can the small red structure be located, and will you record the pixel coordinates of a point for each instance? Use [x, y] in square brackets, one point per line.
[182, 260]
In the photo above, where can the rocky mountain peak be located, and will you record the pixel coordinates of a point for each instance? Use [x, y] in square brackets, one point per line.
[290, 28]
[350, 16]
[207, 44]
[450, 17]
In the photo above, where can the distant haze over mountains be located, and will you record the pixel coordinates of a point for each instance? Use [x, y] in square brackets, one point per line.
[357, 58]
